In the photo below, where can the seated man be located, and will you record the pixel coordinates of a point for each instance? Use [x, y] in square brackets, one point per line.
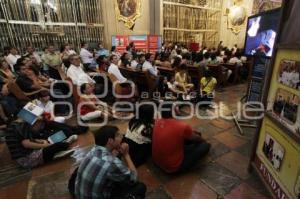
[175, 146]
[114, 69]
[148, 65]
[102, 175]
[76, 73]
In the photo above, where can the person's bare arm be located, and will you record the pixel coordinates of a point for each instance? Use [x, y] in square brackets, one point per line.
[124, 150]
[38, 144]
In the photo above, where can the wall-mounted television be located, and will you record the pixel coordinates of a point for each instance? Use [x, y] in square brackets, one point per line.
[261, 33]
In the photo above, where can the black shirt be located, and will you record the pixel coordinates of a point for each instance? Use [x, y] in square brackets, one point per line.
[16, 133]
[25, 83]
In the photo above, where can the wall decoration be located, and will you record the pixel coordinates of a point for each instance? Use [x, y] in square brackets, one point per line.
[237, 16]
[289, 73]
[265, 5]
[128, 11]
[286, 110]
[273, 151]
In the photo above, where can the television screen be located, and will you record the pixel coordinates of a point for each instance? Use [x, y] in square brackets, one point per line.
[261, 33]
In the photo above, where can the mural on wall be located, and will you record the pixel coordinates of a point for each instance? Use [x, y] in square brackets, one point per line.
[128, 11]
[236, 16]
[264, 5]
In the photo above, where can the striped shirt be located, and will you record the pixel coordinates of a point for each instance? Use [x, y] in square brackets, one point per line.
[98, 174]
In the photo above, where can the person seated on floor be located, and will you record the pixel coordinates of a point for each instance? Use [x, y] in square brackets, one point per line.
[175, 146]
[207, 87]
[139, 134]
[169, 88]
[148, 65]
[103, 175]
[43, 101]
[27, 147]
[76, 73]
[93, 107]
[183, 79]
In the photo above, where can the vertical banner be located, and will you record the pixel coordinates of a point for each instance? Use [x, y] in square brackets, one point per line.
[154, 43]
[140, 42]
[120, 41]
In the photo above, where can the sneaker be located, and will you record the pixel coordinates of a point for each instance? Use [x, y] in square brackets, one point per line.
[71, 139]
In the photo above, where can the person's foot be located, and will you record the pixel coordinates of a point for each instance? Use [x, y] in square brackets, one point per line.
[71, 139]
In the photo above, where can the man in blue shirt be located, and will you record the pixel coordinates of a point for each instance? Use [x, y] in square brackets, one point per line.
[103, 175]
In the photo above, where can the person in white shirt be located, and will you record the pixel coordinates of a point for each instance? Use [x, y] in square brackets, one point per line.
[86, 56]
[31, 51]
[147, 66]
[114, 69]
[115, 52]
[135, 61]
[12, 58]
[47, 105]
[76, 73]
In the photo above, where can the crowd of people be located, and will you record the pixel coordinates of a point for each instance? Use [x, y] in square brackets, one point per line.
[111, 164]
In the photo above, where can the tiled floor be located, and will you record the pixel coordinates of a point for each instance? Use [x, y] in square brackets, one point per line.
[222, 174]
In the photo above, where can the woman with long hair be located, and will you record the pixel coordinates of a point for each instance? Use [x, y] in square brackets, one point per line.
[139, 134]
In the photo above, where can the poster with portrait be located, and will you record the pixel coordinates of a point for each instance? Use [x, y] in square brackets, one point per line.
[285, 109]
[289, 73]
[273, 151]
[128, 11]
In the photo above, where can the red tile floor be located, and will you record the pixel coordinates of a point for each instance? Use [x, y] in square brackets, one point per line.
[222, 174]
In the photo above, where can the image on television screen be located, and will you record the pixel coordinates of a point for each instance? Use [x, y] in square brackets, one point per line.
[261, 33]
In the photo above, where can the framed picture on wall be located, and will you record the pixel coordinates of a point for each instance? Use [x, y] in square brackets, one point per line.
[285, 109]
[273, 151]
[289, 73]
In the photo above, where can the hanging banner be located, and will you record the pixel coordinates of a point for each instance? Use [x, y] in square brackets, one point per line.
[140, 42]
[120, 42]
[154, 43]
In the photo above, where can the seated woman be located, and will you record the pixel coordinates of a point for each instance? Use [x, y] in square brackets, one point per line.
[28, 148]
[182, 78]
[169, 88]
[92, 109]
[45, 103]
[207, 87]
[103, 63]
[125, 60]
[5, 70]
[139, 134]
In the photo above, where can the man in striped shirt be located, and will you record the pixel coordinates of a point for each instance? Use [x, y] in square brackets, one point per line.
[102, 175]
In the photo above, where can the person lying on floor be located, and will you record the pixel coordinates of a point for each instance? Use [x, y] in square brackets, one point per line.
[175, 146]
[139, 134]
[28, 148]
[102, 175]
